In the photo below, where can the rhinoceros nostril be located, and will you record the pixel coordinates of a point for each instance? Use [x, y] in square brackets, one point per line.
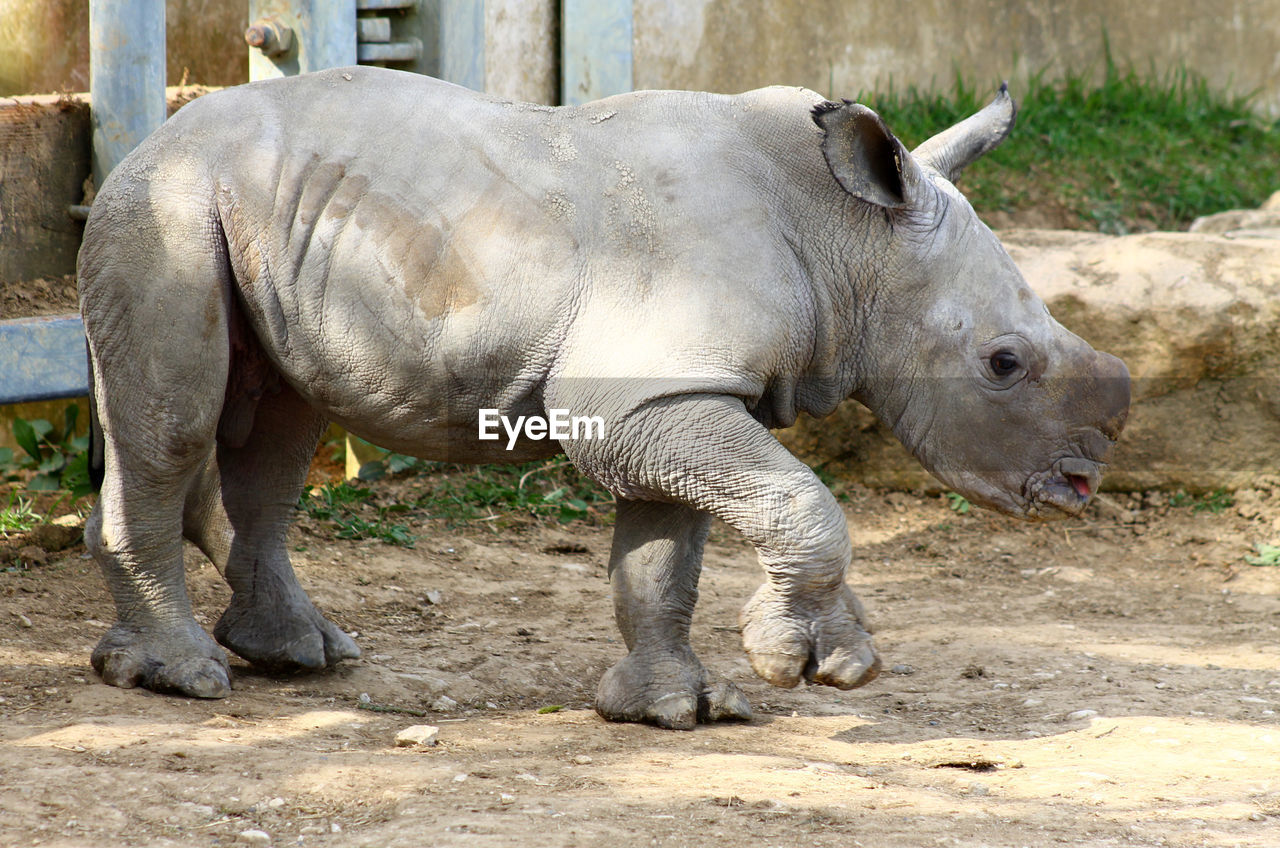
[1081, 474]
[1080, 484]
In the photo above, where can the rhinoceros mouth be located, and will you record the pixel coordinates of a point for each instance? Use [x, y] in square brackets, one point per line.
[1067, 487]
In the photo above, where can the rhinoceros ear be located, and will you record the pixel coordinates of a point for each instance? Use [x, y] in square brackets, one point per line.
[866, 159]
[952, 150]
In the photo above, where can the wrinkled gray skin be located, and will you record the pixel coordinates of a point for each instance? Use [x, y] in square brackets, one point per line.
[394, 253]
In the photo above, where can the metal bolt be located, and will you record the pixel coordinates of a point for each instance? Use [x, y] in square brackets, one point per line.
[270, 36]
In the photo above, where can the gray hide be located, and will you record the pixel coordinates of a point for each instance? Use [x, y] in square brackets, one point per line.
[394, 253]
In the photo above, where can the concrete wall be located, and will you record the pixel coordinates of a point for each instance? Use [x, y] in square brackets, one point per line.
[843, 47]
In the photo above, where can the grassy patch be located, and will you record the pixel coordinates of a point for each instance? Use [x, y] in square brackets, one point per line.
[1127, 154]
[543, 491]
[501, 495]
[341, 505]
[1215, 502]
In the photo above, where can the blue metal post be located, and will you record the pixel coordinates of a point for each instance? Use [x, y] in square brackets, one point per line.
[462, 42]
[595, 49]
[126, 77]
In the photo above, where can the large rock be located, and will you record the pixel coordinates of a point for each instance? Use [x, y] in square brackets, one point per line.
[1263, 222]
[1195, 316]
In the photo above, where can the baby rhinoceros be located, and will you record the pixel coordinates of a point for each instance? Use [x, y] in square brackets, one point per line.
[397, 254]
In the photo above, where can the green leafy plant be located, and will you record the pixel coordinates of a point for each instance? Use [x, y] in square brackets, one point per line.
[959, 503]
[1267, 555]
[56, 457]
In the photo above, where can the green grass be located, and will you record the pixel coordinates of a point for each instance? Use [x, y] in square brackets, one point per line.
[1215, 502]
[18, 516]
[1129, 153]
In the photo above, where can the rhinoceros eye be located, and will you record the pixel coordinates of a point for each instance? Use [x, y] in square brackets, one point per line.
[1003, 363]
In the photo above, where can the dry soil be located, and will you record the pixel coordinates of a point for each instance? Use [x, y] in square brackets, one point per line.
[1109, 681]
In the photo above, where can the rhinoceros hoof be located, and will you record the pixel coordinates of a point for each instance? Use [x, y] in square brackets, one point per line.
[826, 646]
[186, 662]
[669, 689]
[296, 638]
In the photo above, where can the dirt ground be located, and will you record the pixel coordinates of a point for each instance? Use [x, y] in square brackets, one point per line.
[1109, 681]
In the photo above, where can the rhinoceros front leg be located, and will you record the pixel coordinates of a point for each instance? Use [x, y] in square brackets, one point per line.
[654, 569]
[707, 452]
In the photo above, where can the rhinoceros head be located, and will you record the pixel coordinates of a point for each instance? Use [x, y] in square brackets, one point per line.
[957, 354]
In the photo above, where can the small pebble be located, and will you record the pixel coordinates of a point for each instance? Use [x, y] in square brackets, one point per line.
[275, 803]
[902, 668]
[254, 837]
[1079, 714]
[1257, 816]
[582, 760]
[364, 698]
[419, 735]
[23, 620]
[444, 704]
[507, 798]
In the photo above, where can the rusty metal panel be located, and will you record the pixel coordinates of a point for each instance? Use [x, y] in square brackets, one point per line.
[595, 49]
[42, 359]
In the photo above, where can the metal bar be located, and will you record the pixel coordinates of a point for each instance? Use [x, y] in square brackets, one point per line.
[595, 49]
[42, 359]
[462, 42]
[78, 212]
[323, 35]
[396, 51]
[384, 5]
[126, 77]
[373, 30]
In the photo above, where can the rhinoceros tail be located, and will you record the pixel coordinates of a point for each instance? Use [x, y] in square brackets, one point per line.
[97, 454]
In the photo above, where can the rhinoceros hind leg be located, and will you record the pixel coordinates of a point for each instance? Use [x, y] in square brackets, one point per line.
[239, 515]
[654, 569]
